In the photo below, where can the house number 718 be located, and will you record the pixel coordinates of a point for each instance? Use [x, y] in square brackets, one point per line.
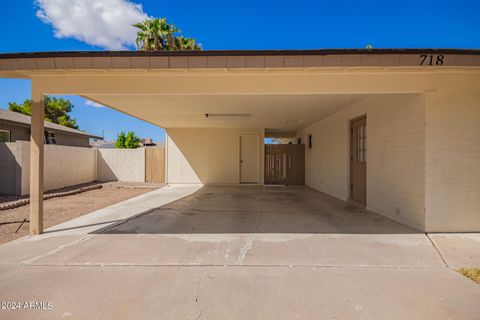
[430, 60]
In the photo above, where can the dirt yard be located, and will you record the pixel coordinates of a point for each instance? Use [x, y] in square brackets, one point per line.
[61, 209]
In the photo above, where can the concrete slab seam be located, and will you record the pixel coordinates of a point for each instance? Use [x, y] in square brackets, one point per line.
[119, 265]
[437, 249]
[59, 249]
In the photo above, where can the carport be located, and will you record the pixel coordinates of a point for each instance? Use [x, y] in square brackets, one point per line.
[415, 149]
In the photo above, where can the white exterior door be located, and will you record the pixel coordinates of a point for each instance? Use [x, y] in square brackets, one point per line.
[249, 159]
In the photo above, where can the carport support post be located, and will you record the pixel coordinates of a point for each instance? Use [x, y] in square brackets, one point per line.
[36, 162]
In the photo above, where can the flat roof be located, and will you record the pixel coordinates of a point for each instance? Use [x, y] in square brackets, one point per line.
[235, 59]
[131, 53]
[25, 121]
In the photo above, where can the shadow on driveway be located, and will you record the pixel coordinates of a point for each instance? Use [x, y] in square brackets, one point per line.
[255, 209]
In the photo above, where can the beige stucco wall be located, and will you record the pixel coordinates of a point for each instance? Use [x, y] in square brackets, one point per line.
[453, 161]
[208, 156]
[395, 155]
[121, 165]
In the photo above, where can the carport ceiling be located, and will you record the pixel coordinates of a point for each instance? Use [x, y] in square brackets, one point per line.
[282, 113]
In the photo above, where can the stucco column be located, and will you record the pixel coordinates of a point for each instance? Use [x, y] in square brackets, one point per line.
[36, 161]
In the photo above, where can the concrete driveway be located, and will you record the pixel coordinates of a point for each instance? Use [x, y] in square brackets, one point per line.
[247, 252]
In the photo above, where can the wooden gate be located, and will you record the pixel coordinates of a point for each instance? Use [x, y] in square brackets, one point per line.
[155, 165]
[285, 164]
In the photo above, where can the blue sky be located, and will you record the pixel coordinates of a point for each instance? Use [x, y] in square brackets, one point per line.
[48, 25]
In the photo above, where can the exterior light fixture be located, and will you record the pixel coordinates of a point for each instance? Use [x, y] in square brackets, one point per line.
[227, 115]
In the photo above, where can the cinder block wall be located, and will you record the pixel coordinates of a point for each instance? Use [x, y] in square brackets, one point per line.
[395, 155]
[121, 165]
[67, 166]
[453, 161]
[11, 168]
[64, 166]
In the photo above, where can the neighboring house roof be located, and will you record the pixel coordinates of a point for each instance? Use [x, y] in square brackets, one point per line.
[102, 144]
[111, 144]
[22, 120]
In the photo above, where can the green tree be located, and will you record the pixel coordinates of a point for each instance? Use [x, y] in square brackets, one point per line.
[56, 110]
[127, 140]
[157, 34]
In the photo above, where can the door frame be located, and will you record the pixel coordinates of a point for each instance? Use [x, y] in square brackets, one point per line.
[350, 157]
[258, 160]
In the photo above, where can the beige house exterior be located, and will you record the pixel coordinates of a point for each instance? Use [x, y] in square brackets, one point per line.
[422, 110]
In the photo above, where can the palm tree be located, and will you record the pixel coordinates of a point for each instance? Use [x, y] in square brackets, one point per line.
[147, 36]
[184, 43]
[167, 33]
[157, 34]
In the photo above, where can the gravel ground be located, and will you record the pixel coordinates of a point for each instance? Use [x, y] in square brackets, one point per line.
[58, 210]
